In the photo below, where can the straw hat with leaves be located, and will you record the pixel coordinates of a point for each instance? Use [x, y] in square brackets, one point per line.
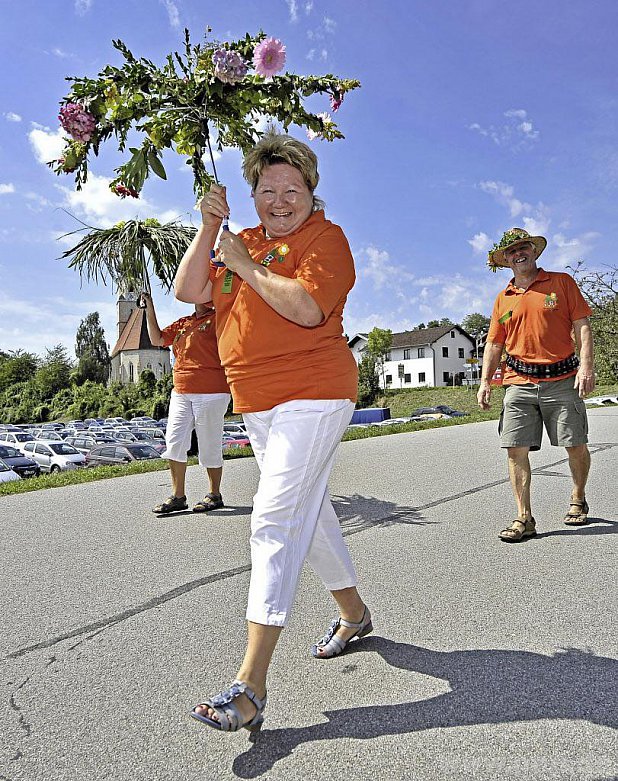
[495, 257]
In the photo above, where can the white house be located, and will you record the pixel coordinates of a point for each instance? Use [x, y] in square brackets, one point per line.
[426, 356]
[134, 352]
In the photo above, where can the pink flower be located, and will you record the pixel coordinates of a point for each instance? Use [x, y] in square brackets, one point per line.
[336, 99]
[77, 122]
[326, 121]
[269, 57]
[122, 191]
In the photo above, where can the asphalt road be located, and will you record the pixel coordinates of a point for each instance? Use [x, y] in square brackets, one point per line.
[488, 661]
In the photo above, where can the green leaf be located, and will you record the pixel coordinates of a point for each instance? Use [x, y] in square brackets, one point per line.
[156, 165]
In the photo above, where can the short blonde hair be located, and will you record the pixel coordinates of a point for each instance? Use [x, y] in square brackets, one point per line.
[274, 148]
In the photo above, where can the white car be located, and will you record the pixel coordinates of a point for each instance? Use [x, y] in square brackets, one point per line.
[7, 475]
[16, 439]
[234, 428]
[54, 456]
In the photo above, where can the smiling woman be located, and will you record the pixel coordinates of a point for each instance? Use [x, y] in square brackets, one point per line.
[279, 290]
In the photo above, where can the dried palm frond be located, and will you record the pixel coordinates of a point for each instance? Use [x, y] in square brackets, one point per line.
[129, 252]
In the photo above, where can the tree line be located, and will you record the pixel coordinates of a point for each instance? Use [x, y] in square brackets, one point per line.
[36, 389]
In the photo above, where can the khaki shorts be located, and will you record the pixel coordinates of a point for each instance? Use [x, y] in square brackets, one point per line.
[554, 404]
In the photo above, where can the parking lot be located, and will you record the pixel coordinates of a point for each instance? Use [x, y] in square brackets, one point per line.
[487, 660]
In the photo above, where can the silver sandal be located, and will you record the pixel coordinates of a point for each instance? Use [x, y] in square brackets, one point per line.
[332, 645]
[230, 718]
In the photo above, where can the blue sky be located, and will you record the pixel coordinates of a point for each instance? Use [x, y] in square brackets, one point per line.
[474, 116]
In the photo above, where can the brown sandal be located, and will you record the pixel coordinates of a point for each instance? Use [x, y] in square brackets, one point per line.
[580, 517]
[518, 530]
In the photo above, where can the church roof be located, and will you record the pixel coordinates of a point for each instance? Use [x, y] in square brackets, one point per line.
[134, 335]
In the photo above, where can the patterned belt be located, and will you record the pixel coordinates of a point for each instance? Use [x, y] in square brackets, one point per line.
[543, 370]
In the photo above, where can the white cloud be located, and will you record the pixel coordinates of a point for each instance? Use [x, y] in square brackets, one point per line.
[293, 9]
[480, 243]
[5, 189]
[82, 6]
[47, 145]
[375, 264]
[97, 205]
[504, 194]
[11, 116]
[172, 12]
[308, 7]
[563, 252]
[516, 133]
[57, 52]
[330, 25]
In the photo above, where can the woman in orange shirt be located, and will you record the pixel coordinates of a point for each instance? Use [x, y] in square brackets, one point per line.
[199, 401]
[279, 300]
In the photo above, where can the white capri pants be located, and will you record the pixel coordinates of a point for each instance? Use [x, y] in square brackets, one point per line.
[293, 518]
[203, 412]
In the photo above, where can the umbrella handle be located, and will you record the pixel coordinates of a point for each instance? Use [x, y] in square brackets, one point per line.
[213, 261]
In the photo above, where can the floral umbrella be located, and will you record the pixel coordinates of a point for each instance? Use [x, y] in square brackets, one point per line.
[172, 107]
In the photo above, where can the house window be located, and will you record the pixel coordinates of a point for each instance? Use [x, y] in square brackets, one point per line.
[406, 354]
[445, 352]
[407, 378]
[452, 334]
[389, 379]
[421, 377]
[387, 357]
[131, 376]
[421, 352]
[462, 353]
[446, 377]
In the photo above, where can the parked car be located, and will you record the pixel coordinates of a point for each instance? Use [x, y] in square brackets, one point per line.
[236, 440]
[16, 439]
[54, 456]
[47, 434]
[143, 420]
[18, 462]
[85, 442]
[113, 455]
[7, 475]
[156, 433]
[141, 436]
[238, 427]
[446, 410]
[115, 421]
[120, 435]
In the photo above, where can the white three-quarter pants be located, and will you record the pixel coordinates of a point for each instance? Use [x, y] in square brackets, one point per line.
[293, 518]
[203, 412]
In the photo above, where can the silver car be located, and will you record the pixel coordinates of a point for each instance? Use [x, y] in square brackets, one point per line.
[54, 456]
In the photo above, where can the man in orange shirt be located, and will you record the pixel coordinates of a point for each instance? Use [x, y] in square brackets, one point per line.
[199, 401]
[533, 320]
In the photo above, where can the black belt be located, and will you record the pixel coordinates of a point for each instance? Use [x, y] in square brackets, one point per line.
[543, 370]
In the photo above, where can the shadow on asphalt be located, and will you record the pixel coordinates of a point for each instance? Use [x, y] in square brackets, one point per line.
[222, 512]
[357, 513]
[610, 527]
[487, 687]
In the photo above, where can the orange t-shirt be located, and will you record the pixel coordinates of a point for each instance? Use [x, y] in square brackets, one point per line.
[268, 359]
[197, 368]
[536, 325]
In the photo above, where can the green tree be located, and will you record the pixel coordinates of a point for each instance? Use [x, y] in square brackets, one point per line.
[91, 351]
[368, 380]
[54, 373]
[438, 323]
[600, 288]
[475, 324]
[17, 366]
[379, 343]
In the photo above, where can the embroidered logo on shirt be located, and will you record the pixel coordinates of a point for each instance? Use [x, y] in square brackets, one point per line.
[551, 301]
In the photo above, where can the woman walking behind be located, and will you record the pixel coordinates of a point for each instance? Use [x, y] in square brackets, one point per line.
[279, 301]
[199, 401]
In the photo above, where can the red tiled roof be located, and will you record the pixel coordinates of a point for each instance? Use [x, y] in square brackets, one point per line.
[134, 335]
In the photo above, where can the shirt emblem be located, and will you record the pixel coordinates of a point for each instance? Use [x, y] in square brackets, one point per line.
[551, 301]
